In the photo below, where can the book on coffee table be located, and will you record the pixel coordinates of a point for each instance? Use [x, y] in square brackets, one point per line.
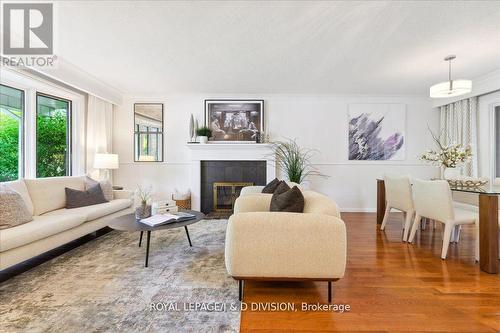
[160, 219]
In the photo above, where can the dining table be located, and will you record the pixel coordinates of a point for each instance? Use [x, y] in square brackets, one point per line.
[488, 220]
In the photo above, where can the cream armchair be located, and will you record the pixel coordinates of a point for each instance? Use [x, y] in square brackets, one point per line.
[267, 245]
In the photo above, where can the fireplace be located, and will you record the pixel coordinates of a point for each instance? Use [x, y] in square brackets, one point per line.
[222, 181]
[261, 153]
[225, 194]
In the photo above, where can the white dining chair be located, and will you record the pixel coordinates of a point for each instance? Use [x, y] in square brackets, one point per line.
[469, 201]
[399, 196]
[433, 200]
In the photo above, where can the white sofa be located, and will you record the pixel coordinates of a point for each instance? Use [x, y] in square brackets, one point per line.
[266, 245]
[53, 225]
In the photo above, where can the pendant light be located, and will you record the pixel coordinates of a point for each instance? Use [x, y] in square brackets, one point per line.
[451, 87]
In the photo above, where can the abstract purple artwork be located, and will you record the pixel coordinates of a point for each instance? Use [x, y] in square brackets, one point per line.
[377, 132]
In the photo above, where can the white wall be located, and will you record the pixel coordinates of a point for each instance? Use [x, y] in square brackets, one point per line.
[318, 122]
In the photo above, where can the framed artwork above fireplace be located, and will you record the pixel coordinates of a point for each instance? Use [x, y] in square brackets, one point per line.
[234, 121]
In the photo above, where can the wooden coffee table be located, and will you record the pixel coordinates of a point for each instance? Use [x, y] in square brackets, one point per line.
[129, 223]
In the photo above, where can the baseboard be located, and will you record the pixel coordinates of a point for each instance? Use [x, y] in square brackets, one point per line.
[358, 210]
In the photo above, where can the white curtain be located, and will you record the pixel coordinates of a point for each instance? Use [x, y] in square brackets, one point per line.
[99, 130]
[459, 126]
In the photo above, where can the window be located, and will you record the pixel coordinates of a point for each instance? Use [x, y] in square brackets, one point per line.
[53, 136]
[148, 132]
[11, 133]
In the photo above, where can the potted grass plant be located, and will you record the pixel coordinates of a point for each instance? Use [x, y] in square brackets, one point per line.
[294, 161]
[203, 133]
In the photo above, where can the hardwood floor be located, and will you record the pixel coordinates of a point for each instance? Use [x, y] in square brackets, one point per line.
[390, 286]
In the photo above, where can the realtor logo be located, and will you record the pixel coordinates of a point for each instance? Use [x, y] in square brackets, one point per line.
[28, 29]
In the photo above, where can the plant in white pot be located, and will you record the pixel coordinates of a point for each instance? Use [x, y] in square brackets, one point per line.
[294, 161]
[449, 157]
[203, 134]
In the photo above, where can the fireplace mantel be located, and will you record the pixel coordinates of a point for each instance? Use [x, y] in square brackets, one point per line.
[226, 152]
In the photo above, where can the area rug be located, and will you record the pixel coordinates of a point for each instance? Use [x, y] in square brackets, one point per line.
[103, 286]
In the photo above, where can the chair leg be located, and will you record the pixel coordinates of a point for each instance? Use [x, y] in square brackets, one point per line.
[414, 228]
[448, 229]
[386, 217]
[329, 291]
[476, 254]
[458, 230]
[409, 217]
[423, 224]
[240, 288]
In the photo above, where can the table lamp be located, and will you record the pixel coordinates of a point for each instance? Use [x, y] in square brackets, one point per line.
[105, 162]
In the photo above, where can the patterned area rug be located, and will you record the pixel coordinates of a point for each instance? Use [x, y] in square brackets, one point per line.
[103, 286]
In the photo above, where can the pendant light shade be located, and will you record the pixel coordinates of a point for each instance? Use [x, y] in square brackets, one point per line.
[451, 87]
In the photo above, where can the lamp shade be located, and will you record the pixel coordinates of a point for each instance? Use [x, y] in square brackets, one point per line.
[451, 88]
[106, 161]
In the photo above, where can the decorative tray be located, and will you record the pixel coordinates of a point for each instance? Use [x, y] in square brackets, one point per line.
[467, 182]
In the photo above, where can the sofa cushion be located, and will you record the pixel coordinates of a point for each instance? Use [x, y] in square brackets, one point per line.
[40, 227]
[321, 204]
[95, 211]
[13, 210]
[288, 201]
[20, 187]
[92, 196]
[269, 188]
[48, 193]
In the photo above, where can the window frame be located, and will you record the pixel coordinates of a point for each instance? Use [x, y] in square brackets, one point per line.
[69, 131]
[31, 84]
[21, 166]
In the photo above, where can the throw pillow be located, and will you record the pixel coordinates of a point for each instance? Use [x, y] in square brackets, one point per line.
[289, 201]
[269, 188]
[92, 196]
[13, 210]
[106, 187]
[282, 187]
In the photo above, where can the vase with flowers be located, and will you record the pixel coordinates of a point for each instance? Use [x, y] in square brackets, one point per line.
[450, 157]
[144, 209]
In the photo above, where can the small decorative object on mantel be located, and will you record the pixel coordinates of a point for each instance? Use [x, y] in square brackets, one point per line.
[294, 161]
[192, 133]
[203, 134]
[449, 157]
[144, 209]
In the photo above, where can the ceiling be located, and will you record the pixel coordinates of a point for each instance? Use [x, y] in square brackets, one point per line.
[366, 47]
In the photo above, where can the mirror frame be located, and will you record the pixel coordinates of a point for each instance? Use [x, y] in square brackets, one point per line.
[162, 132]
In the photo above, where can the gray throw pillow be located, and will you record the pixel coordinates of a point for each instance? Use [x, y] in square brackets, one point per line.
[92, 196]
[269, 188]
[289, 201]
[13, 210]
[282, 187]
[106, 187]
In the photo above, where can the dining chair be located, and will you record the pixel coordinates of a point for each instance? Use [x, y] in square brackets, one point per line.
[399, 196]
[433, 200]
[469, 201]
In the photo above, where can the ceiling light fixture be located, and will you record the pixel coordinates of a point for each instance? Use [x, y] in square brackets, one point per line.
[450, 88]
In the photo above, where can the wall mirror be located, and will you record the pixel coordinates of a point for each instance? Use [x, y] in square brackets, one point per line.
[148, 132]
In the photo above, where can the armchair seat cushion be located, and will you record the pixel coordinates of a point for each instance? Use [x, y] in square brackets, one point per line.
[40, 227]
[95, 211]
